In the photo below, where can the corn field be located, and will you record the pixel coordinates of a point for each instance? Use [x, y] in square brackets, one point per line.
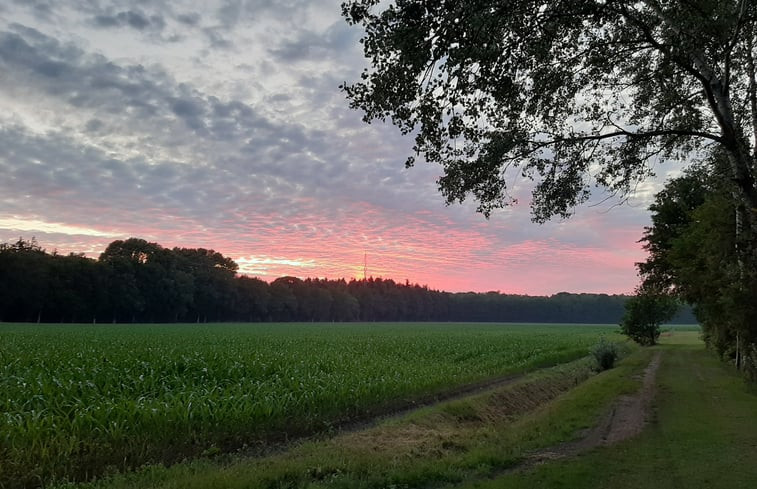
[80, 400]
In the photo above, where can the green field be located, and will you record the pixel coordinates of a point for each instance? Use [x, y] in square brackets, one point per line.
[701, 432]
[79, 400]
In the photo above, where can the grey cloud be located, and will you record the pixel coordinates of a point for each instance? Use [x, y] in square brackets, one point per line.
[94, 125]
[135, 19]
[232, 141]
[293, 11]
[336, 40]
[230, 12]
[147, 96]
[157, 20]
[50, 167]
[233, 13]
[190, 18]
[68, 179]
[42, 9]
[148, 103]
[186, 108]
[216, 37]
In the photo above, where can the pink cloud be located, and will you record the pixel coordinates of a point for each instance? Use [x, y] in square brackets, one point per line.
[421, 247]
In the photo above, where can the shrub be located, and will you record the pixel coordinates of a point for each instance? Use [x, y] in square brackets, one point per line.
[605, 353]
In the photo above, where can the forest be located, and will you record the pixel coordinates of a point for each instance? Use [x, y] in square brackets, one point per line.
[137, 281]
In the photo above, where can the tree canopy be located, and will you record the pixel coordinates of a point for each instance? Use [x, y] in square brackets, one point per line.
[644, 313]
[137, 281]
[571, 93]
[692, 255]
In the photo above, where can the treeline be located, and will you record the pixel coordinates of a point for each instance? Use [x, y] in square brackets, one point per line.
[137, 281]
[702, 252]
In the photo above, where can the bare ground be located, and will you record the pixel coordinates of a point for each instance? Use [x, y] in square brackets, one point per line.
[625, 419]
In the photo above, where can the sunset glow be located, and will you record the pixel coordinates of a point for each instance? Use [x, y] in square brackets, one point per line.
[229, 132]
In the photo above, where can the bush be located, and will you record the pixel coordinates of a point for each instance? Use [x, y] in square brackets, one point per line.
[644, 313]
[605, 353]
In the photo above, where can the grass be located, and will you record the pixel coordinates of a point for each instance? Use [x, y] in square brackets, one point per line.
[79, 401]
[703, 435]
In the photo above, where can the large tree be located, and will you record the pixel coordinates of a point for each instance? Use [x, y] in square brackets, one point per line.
[692, 256]
[573, 93]
[568, 92]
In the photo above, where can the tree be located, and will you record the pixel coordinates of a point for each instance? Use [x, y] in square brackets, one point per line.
[212, 275]
[692, 254]
[24, 281]
[567, 92]
[251, 298]
[671, 217]
[123, 260]
[644, 314]
[572, 93]
[283, 303]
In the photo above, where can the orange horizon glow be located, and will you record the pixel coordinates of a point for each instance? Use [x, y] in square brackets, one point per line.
[415, 248]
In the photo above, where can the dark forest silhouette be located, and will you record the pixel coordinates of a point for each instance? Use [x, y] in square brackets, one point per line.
[137, 281]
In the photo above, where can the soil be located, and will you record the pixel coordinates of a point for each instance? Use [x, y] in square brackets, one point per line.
[625, 419]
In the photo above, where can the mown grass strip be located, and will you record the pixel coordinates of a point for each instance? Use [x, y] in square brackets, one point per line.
[703, 434]
[446, 444]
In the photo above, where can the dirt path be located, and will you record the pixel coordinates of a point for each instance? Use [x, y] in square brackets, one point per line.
[626, 419]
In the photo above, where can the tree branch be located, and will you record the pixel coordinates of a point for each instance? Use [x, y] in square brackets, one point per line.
[698, 68]
[752, 87]
[633, 135]
[732, 44]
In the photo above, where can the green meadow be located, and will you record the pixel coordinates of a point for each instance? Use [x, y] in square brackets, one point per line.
[79, 401]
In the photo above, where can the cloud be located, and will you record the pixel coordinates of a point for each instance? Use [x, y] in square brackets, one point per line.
[41, 9]
[136, 19]
[24, 225]
[314, 46]
[189, 18]
[229, 12]
[146, 99]
[235, 137]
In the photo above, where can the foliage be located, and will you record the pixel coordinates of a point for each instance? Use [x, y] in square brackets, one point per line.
[566, 92]
[137, 281]
[79, 398]
[644, 314]
[573, 93]
[605, 353]
[693, 254]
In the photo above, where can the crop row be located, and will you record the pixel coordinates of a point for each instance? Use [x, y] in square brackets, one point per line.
[78, 400]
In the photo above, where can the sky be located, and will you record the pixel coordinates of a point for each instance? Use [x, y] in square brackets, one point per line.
[220, 124]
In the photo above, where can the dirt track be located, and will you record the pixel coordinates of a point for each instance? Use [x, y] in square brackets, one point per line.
[626, 419]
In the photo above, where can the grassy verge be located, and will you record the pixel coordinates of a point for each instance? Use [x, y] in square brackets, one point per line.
[703, 435]
[451, 443]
